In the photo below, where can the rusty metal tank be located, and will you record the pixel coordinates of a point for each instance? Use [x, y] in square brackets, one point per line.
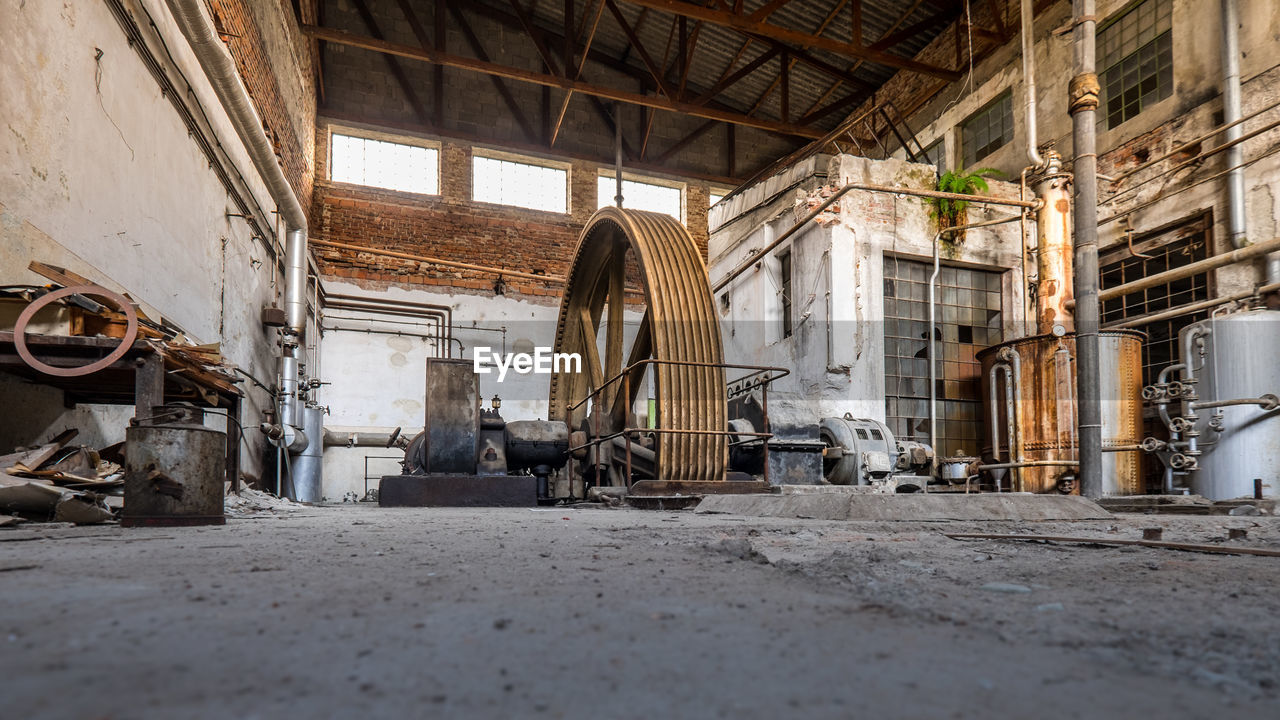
[1037, 376]
[174, 470]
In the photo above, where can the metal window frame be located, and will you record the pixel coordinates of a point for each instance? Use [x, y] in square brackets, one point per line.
[984, 115]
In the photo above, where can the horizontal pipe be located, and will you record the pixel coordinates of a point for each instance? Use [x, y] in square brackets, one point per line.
[1194, 307]
[438, 261]
[1266, 402]
[935, 194]
[388, 301]
[1029, 463]
[1195, 268]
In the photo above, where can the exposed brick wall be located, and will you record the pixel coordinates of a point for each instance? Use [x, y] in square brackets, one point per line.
[453, 227]
[288, 116]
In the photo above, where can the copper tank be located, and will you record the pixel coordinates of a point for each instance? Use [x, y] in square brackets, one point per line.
[1038, 374]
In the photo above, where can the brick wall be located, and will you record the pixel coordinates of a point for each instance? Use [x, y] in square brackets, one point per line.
[453, 227]
[261, 36]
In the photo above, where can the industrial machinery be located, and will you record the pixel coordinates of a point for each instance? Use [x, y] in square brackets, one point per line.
[1031, 430]
[1221, 408]
[467, 455]
[1029, 383]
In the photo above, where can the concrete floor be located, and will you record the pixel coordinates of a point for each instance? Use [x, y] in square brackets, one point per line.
[588, 612]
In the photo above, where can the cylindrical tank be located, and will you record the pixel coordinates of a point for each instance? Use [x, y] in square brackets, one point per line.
[1240, 360]
[308, 467]
[1038, 373]
[174, 470]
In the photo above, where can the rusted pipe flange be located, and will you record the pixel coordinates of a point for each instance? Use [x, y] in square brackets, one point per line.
[122, 304]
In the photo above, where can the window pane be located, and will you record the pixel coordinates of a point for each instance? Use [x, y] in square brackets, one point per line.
[639, 196]
[1136, 60]
[389, 165]
[506, 182]
[988, 129]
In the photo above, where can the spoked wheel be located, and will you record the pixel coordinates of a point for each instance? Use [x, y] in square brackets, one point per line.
[679, 324]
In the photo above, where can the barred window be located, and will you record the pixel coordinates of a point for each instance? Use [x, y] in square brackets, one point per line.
[935, 155]
[381, 164]
[1165, 251]
[1135, 53]
[988, 130]
[640, 195]
[520, 184]
[968, 319]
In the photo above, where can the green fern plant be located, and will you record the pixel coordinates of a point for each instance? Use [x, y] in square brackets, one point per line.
[950, 213]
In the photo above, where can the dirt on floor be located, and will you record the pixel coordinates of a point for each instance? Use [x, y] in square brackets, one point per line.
[595, 612]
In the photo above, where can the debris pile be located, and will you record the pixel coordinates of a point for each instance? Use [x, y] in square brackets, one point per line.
[54, 482]
[255, 503]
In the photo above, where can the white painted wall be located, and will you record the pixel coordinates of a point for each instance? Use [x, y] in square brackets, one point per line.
[98, 174]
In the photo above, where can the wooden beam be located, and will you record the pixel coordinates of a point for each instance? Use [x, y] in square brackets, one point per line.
[653, 68]
[786, 88]
[804, 40]
[906, 33]
[769, 8]
[744, 71]
[706, 112]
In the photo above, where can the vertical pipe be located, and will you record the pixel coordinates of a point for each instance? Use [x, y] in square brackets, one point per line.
[1029, 79]
[933, 365]
[617, 152]
[1230, 114]
[1083, 99]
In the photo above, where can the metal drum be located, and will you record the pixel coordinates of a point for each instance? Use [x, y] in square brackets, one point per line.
[1038, 375]
[1235, 357]
[174, 470]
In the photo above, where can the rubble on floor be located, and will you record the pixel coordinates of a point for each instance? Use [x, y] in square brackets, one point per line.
[255, 503]
[52, 482]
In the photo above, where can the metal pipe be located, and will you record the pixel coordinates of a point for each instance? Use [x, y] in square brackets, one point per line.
[1029, 79]
[1083, 105]
[1196, 307]
[1236, 227]
[220, 69]
[1227, 258]
[937, 195]
[1028, 463]
[437, 261]
[1267, 402]
[1014, 395]
[933, 363]
[617, 147]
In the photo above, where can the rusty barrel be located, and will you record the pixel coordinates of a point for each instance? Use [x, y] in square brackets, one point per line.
[174, 470]
[1038, 374]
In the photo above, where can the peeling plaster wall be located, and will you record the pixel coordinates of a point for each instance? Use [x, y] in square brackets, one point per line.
[99, 174]
[836, 352]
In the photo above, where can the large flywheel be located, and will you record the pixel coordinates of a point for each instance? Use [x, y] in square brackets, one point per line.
[679, 326]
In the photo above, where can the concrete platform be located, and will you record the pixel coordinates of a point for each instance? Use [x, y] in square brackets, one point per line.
[914, 507]
[440, 490]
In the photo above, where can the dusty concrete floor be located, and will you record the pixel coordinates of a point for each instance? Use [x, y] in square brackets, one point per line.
[600, 613]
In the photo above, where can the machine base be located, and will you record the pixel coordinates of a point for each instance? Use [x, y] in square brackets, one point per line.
[444, 490]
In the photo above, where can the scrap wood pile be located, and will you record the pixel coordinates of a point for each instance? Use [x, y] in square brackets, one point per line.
[60, 483]
[200, 369]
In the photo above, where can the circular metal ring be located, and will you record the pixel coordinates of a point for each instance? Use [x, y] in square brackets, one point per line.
[126, 343]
